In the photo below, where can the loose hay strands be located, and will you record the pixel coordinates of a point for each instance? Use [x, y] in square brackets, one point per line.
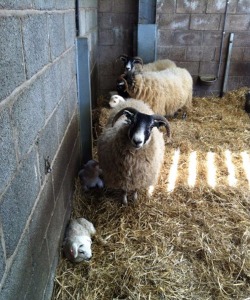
[192, 242]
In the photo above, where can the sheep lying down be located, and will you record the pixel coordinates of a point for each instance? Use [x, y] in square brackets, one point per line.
[89, 175]
[77, 242]
[131, 148]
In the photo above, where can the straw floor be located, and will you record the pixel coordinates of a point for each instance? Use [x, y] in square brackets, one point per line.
[191, 240]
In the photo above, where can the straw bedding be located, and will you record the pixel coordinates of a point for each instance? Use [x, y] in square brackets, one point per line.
[187, 242]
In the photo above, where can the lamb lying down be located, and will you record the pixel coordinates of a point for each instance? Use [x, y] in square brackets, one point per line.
[89, 175]
[77, 242]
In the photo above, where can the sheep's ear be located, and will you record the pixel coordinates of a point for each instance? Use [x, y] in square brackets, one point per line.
[74, 250]
[138, 60]
[162, 121]
[129, 112]
[122, 57]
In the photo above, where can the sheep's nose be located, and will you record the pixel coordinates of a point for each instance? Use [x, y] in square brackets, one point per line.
[88, 258]
[137, 143]
[128, 68]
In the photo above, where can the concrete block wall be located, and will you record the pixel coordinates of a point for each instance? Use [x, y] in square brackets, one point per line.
[38, 124]
[190, 33]
[117, 21]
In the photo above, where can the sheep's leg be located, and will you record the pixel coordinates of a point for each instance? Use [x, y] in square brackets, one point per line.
[135, 196]
[125, 198]
[150, 190]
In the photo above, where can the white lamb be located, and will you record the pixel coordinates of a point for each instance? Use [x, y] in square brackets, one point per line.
[131, 148]
[77, 242]
[165, 91]
[115, 100]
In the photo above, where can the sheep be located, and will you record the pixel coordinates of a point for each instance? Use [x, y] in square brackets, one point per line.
[136, 64]
[115, 100]
[131, 148]
[165, 91]
[77, 241]
[89, 175]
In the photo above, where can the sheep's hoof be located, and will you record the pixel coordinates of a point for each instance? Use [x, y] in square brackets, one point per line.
[150, 190]
[135, 196]
[184, 116]
[125, 200]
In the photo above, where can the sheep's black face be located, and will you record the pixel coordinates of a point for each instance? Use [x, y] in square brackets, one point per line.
[140, 129]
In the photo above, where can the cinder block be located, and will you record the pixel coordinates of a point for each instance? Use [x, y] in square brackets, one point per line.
[19, 274]
[243, 6]
[62, 159]
[165, 6]
[71, 99]
[8, 163]
[12, 71]
[47, 145]
[198, 53]
[187, 38]
[62, 118]
[242, 39]
[128, 6]
[165, 38]
[18, 201]
[171, 21]
[2, 260]
[212, 38]
[106, 37]
[41, 271]
[237, 23]
[88, 3]
[51, 87]
[177, 53]
[192, 67]
[210, 68]
[36, 42]
[91, 20]
[82, 23]
[105, 20]
[28, 115]
[70, 29]
[194, 6]
[205, 22]
[43, 4]
[238, 54]
[41, 217]
[13, 4]
[219, 6]
[105, 5]
[54, 232]
[240, 68]
[59, 4]
[56, 34]
[246, 54]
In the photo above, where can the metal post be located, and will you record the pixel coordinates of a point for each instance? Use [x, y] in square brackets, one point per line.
[84, 98]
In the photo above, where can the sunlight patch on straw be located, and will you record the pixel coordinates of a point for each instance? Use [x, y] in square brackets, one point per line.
[246, 165]
[173, 171]
[192, 169]
[231, 170]
[211, 170]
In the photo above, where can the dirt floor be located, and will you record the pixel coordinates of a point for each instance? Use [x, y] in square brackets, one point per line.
[191, 240]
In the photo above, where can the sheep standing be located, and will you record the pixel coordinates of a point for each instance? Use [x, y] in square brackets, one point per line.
[77, 242]
[165, 91]
[131, 148]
